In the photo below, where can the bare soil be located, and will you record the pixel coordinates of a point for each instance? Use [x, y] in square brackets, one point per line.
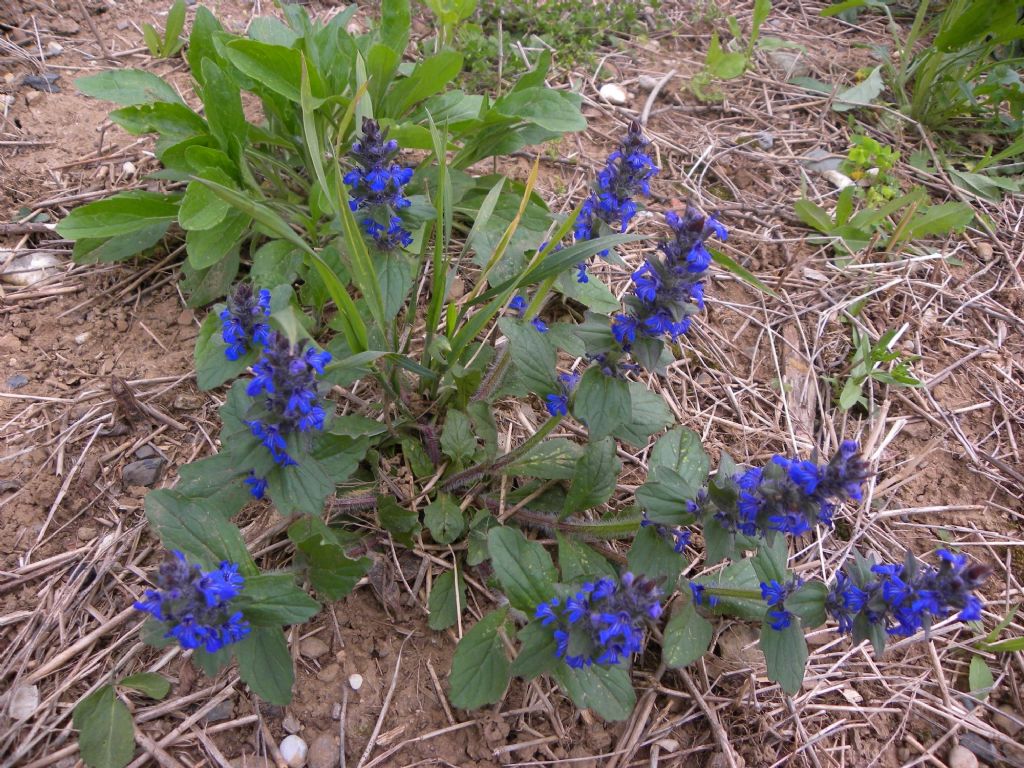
[75, 552]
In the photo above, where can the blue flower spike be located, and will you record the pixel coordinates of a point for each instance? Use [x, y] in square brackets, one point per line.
[908, 597]
[196, 605]
[377, 185]
[557, 403]
[286, 387]
[242, 324]
[603, 623]
[775, 594]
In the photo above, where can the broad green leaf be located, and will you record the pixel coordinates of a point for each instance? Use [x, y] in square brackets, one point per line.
[206, 247]
[533, 356]
[445, 519]
[120, 247]
[523, 567]
[216, 483]
[212, 366]
[401, 523]
[664, 496]
[740, 271]
[332, 573]
[681, 451]
[552, 110]
[862, 94]
[273, 66]
[649, 414]
[429, 77]
[537, 654]
[151, 684]
[187, 526]
[223, 101]
[171, 120]
[785, 652]
[813, 216]
[808, 602]
[596, 475]
[979, 677]
[740, 576]
[128, 87]
[553, 459]
[606, 690]
[303, 487]
[446, 602]
[602, 403]
[654, 557]
[687, 637]
[119, 214]
[273, 599]
[106, 732]
[339, 456]
[395, 22]
[200, 207]
[579, 563]
[265, 664]
[480, 669]
[941, 219]
[458, 440]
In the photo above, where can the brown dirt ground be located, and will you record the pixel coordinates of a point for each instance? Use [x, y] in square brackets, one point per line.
[948, 462]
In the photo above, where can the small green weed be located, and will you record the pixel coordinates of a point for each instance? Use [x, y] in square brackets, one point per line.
[869, 361]
[167, 45]
[870, 164]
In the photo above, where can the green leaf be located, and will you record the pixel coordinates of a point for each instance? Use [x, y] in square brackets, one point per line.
[687, 637]
[207, 247]
[446, 602]
[579, 563]
[537, 654]
[223, 100]
[602, 403]
[121, 247]
[785, 653]
[554, 111]
[480, 669]
[212, 664]
[354, 425]
[808, 602]
[395, 23]
[200, 207]
[553, 459]
[151, 684]
[664, 496]
[595, 478]
[401, 523]
[128, 87]
[740, 576]
[429, 77]
[862, 94]
[649, 414]
[265, 664]
[187, 526]
[332, 573]
[1006, 646]
[339, 456]
[212, 366]
[273, 66]
[654, 557]
[681, 451]
[606, 690]
[273, 599]
[941, 219]
[458, 440]
[119, 214]
[740, 271]
[444, 518]
[303, 487]
[533, 356]
[813, 216]
[106, 732]
[979, 677]
[523, 567]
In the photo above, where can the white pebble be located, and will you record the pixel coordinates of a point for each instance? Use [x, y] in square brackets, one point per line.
[82, 337]
[962, 757]
[31, 267]
[613, 94]
[294, 751]
[838, 180]
[356, 681]
[129, 168]
[23, 702]
[53, 48]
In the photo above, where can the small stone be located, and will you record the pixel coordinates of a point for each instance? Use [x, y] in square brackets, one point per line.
[294, 751]
[355, 681]
[17, 381]
[329, 673]
[81, 338]
[614, 94]
[86, 533]
[31, 267]
[669, 745]
[788, 64]
[23, 701]
[146, 451]
[187, 317]
[313, 647]
[324, 752]
[9, 343]
[336, 711]
[122, 25]
[984, 251]
[144, 472]
[185, 402]
[223, 711]
[291, 724]
[129, 168]
[1008, 721]
[53, 48]
[647, 82]
[961, 757]
[838, 180]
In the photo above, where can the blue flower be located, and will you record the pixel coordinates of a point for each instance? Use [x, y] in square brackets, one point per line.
[539, 324]
[581, 273]
[699, 596]
[775, 594]
[257, 485]
[241, 322]
[624, 330]
[908, 597]
[377, 186]
[604, 620]
[196, 606]
[518, 305]
[557, 405]
[677, 537]
[286, 376]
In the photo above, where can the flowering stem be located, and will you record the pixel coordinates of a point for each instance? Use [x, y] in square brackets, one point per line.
[748, 594]
[465, 475]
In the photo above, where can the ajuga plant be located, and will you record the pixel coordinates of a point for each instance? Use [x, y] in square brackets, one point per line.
[432, 288]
